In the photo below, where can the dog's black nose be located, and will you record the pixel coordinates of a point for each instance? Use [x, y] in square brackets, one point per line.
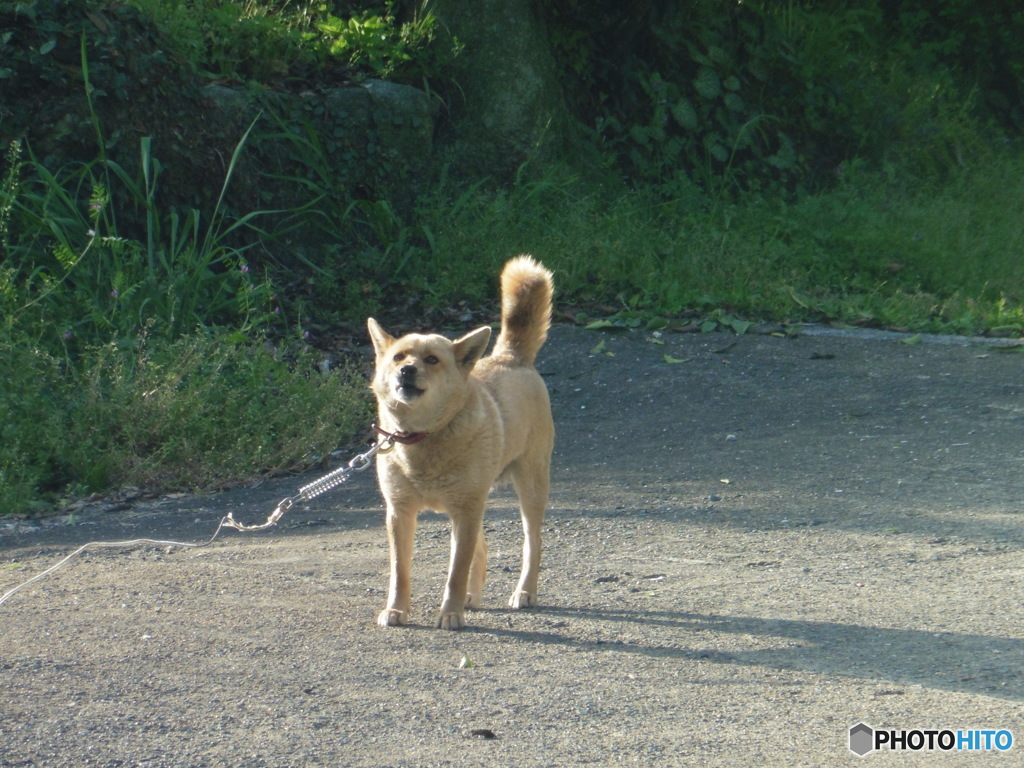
[407, 372]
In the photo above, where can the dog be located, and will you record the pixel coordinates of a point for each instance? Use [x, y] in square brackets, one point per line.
[458, 424]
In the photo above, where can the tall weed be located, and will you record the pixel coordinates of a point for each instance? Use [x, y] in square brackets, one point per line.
[196, 413]
[72, 274]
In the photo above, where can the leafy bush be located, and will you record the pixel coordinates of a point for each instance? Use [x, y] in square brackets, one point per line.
[733, 96]
[81, 78]
[134, 81]
[288, 45]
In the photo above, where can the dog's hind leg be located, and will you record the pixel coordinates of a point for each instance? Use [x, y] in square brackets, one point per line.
[477, 574]
[531, 482]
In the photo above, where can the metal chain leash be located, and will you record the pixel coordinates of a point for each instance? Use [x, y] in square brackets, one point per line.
[314, 489]
[306, 492]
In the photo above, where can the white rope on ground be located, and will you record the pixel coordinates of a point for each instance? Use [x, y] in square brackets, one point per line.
[102, 544]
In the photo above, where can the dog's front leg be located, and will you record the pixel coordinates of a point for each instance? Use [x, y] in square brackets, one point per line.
[466, 533]
[401, 524]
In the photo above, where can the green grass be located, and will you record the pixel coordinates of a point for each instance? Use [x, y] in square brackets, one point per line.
[876, 249]
[198, 413]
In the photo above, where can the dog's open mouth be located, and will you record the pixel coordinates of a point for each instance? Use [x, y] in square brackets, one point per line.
[407, 390]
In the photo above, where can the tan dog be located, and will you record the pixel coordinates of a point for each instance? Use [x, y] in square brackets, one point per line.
[460, 425]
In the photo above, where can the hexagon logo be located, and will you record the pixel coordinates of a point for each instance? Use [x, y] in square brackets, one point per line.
[861, 739]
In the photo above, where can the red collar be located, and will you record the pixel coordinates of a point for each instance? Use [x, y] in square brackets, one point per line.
[405, 438]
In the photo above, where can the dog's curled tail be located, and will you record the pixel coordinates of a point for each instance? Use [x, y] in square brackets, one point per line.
[526, 289]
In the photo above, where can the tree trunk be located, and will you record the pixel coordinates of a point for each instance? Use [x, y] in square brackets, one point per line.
[510, 106]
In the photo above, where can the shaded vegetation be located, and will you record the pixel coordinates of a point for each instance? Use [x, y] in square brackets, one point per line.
[160, 318]
[736, 96]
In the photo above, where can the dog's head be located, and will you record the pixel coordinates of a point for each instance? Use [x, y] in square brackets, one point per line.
[421, 379]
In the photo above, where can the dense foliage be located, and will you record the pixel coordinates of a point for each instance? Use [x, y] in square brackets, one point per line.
[737, 95]
[850, 161]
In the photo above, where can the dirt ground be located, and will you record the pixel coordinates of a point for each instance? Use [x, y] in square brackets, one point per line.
[753, 544]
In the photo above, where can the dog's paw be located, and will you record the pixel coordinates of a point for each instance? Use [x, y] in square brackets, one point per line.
[450, 620]
[474, 601]
[522, 599]
[392, 617]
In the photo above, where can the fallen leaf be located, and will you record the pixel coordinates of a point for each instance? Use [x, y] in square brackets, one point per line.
[740, 326]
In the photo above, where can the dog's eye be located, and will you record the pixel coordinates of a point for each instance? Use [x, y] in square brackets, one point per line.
[399, 357]
[430, 360]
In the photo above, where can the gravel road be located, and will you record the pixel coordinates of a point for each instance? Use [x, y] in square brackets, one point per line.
[753, 544]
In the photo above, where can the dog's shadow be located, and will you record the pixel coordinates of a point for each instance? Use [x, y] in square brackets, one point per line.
[964, 663]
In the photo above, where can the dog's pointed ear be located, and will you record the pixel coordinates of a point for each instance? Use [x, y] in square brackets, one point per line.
[471, 347]
[381, 339]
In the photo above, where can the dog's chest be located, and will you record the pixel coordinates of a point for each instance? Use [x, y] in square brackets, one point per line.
[436, 479]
